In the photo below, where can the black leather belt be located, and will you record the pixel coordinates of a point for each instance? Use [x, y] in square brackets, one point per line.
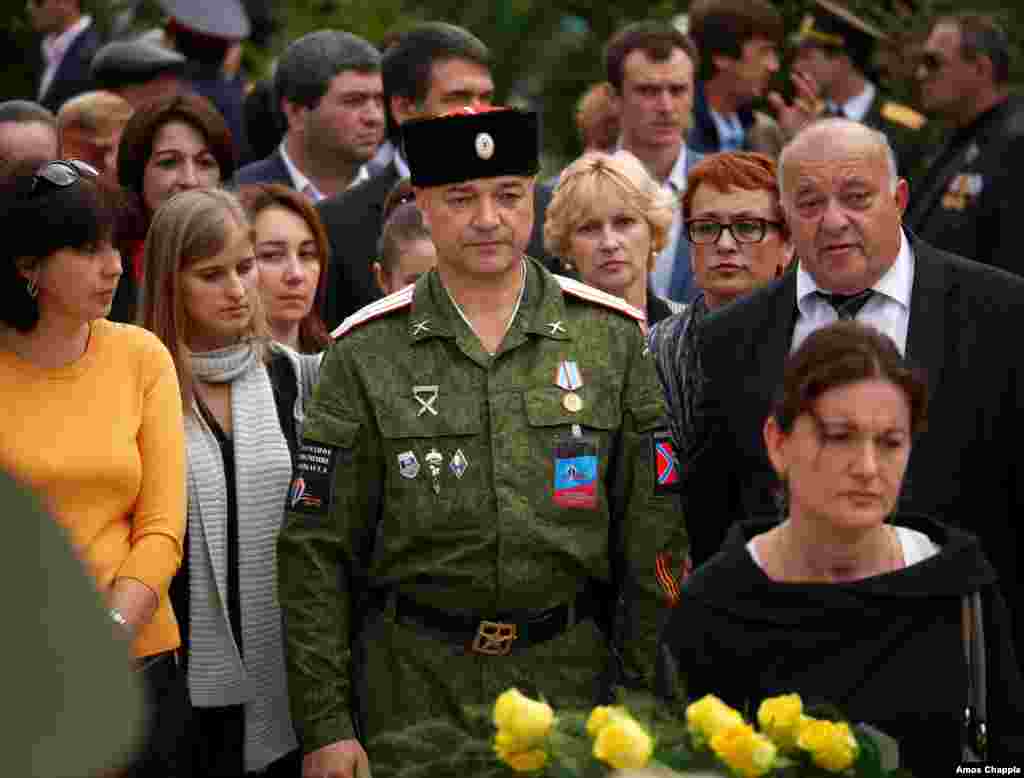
[500, 635]
[146, 663]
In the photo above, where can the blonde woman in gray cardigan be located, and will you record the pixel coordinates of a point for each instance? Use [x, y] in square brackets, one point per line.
[243, 397]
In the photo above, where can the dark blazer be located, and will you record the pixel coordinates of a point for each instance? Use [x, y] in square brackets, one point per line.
[969, 201]
[73, 76]
[682, 287]
[966, 469]
[354, 220]
[269, 170]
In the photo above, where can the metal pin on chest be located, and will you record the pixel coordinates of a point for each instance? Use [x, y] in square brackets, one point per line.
[435, 461]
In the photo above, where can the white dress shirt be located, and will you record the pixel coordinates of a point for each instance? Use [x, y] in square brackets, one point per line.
[888, 310]
[302, 183]
[55, 47]
[857, 107]
[661, 277]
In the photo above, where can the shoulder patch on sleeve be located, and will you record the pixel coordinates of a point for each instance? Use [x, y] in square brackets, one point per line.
[393, 302]
[902, 114]
[591, 294]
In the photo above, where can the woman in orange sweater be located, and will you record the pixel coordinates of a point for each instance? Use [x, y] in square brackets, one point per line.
[93, 418]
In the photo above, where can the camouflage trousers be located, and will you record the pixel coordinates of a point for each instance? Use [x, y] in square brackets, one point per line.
[406, 676]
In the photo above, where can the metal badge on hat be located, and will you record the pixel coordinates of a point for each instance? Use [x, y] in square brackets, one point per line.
[484, 145]
[568, 378]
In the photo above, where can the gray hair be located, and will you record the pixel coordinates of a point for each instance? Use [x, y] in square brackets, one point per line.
[26, 112]
[831, 126]
[307, 66]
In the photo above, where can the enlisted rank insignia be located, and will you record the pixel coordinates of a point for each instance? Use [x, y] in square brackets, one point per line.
[408, 465]
[670, 578]
[458, 464]
[312, 486]
[666, 465]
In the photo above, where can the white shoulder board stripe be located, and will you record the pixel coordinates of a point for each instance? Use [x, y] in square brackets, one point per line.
[595, 295]
[399, 299]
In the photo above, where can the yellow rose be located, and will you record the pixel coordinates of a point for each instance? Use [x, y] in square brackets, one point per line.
[830, 744]
[708, 715]
[747, 752]
[623, 744]
[599, 716]
[522, 761]
[780, 718]
[527, 720]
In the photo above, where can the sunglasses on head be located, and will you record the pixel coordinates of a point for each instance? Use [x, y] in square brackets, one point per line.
[60, 174]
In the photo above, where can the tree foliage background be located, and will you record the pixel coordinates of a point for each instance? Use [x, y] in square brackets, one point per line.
[545, 53]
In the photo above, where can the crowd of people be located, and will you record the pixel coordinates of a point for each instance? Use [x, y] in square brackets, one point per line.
[362, 423]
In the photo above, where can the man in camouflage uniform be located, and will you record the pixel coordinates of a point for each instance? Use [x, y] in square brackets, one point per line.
[485, 479]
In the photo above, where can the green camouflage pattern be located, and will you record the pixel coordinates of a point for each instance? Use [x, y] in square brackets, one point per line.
[488, 542]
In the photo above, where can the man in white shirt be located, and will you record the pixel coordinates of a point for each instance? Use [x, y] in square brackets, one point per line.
[69, 42]
[331, 93]
[951, 318]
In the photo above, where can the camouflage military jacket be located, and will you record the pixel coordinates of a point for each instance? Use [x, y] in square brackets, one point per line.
[469, 483]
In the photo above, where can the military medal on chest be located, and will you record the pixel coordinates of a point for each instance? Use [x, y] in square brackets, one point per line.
[435, 461]
[568, 378]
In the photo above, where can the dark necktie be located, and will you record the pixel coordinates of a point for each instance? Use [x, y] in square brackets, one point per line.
[847, 306]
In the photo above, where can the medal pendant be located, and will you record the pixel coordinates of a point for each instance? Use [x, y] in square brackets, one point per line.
[572, 402]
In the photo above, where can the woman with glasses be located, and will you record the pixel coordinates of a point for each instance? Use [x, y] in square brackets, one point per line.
[243, 397]
[93, 420]
[292, 250]
[608, 219]
[738, 242]
[177, 143]
[895, 619]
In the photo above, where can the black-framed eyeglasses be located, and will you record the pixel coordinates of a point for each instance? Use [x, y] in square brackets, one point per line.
[60, 174]
[705, 231]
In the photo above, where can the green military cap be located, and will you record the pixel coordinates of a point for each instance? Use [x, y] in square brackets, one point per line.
[121, 63]
[829, 25]
[74, 707]
[471, 143]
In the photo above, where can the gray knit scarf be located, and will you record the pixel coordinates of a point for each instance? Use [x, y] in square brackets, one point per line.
[217, 675]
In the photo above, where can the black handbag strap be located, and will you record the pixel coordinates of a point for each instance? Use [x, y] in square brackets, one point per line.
[976, 713]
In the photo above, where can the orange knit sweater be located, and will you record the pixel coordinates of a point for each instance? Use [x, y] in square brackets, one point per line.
[102, 442]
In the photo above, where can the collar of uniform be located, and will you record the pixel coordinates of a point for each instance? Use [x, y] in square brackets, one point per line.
[543, 306]
[432, 314]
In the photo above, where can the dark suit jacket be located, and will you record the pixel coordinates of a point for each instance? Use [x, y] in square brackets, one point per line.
[354, 220]
[966, 469]
[73, 76]
[270, 170]
[970, 202]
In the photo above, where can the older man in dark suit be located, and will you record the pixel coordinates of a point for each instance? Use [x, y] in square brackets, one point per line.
[843, 202]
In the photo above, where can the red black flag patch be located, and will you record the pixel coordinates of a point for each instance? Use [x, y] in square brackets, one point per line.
[666, 464]
[669, 578]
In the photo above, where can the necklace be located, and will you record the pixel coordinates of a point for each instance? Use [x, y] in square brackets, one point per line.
[515, 310]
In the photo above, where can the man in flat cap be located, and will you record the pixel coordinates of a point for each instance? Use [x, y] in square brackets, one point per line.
[837, 49]
[483, 496]
[138, 70]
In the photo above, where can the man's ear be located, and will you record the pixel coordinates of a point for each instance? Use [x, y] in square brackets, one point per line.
[28, 267]
[293, 113]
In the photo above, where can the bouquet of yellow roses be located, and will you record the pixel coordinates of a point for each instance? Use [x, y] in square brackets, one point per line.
[715, 739]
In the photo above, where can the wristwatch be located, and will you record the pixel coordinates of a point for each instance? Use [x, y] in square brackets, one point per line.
[118, 618]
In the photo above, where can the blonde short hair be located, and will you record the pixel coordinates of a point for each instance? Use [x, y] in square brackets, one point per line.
[191, 226]
[597, 175]
[94, 112]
